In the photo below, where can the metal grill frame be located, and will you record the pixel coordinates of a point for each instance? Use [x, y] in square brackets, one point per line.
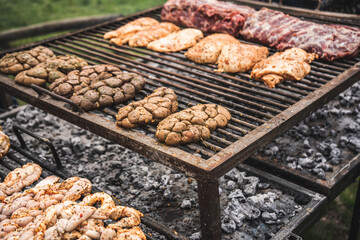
[206, 172]
[337, 181]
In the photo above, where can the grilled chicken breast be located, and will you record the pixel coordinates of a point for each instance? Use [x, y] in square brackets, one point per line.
[143, 38]
[209, 48]
[293, 64]
[123, 34]
[177, 41]
[240, 57]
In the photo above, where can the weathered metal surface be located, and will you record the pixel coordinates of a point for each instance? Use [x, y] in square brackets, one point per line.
[166, 155]
[209, 204]
[338, 180]
[276, 109]
[220, 163]
[355, 221]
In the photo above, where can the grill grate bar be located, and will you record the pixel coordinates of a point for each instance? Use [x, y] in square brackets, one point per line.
[185, 96]
[176, 79]
[119, 50]
[223, 132]
[205, 95]
[193, 66]
[191, 79]
[183, 58]
[325, 66]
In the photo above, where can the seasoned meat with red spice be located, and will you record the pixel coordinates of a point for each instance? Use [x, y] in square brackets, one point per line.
[209, 48]
[293, 64]
[240, 57]
[177, 41]
[143, 38]
[123, 34]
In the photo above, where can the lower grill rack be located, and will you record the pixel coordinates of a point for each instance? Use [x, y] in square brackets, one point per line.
[325, 153]
[291, 208]
[19, 155]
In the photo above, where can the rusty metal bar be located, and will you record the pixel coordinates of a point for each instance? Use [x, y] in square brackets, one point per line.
[194, 66]
[215, 99]
[259, 137]
[355, 220]
[165, 63]
[209, 204]
[191, 81]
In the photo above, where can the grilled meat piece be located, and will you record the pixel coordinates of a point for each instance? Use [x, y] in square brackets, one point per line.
[123, 34]
[16, 62]
[111, 90]
[209, 48]
[117, 233]
[143, 38]
[4, 143]
[192, 125]
[293, 64]
[50, 70]
[240, 57]
[208, 16]
[19, 178]
[276, 29]
[177, 41]
[152, 109]
[79, 79]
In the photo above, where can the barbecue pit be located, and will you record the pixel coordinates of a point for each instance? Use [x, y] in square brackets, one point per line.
[291, 205]
[259, 113]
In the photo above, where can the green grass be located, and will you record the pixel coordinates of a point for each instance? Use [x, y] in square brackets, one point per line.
[18, 13]
[335, 225]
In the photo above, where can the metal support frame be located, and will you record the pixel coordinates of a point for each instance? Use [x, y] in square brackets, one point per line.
[209, 206]
[355, 221]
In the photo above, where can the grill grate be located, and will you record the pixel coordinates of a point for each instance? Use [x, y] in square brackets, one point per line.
[251, 103]
[259, 114]
[20, 155]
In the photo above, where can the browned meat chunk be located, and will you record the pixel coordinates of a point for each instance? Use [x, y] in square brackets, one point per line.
[77, 80]
[192, 125]
[18, 179]
[4, 144]
[240, 57]
[143, 38]
[177, 41]
[152, 109]
[50, 70]
[293, 64]
[209, 48]
[276, 29]
[110, 91]
[16, 62]
[123, 34]
[208, 16]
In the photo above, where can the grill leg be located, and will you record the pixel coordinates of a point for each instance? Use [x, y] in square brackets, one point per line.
[355, 221]
[209, 204]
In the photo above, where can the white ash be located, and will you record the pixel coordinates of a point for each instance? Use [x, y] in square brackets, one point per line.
[325, 140]
[156, 190]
